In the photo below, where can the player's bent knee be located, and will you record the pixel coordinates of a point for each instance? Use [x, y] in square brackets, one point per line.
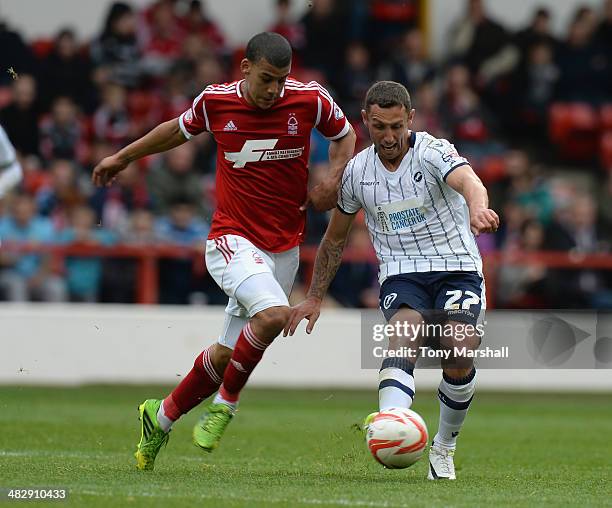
[406, 315]
[464, 335]
[272, 320]
[220, 356]
[458, 373]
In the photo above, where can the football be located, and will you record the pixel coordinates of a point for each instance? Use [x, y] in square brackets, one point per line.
[397, 437]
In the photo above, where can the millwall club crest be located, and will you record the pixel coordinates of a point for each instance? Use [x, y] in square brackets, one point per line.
[389, 299]
[292, 125]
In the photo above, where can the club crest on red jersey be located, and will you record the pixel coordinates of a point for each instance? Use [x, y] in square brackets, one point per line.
[292, 125]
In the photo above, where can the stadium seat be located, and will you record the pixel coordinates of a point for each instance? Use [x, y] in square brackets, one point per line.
[144, 107]
[574, 128]
[605, 114]
[606, 150]
[42, 47]
[492, 169]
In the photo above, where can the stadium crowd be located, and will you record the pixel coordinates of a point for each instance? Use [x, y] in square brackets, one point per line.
[532, 112]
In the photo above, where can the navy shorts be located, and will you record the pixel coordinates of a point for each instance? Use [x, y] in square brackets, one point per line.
[437, 296]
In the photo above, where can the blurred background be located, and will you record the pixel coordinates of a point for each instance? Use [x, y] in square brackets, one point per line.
[524, 91]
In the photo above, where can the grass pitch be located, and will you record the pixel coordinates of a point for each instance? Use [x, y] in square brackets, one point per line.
[298, 449]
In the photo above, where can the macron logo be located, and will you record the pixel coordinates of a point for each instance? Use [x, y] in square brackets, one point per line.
[230, 126]
[255, 150]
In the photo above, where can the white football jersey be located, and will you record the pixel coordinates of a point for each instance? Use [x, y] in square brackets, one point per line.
[417, 222]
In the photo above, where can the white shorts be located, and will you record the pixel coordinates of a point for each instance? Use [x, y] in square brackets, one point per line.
[232, 259]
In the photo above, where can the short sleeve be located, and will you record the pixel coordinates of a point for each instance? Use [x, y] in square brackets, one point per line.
[443, 158]
[347, 200]
[195, 120]
[330, 121]
[7, 152]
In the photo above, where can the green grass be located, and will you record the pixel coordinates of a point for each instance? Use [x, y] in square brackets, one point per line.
[297, 448]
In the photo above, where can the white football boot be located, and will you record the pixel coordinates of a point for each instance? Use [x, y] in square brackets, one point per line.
[441, 465]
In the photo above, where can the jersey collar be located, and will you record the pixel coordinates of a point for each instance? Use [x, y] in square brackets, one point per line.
[282, 94]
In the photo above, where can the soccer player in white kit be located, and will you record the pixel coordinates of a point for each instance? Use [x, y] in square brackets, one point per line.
[423, 206]
[10, 169]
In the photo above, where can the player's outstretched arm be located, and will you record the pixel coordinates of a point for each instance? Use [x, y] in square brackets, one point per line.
[165, 136]
[467, 183]
[329, 256]
[324, 196]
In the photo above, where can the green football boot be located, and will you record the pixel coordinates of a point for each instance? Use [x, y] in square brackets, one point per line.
[152, 437]
[208, 431]
[368, 420]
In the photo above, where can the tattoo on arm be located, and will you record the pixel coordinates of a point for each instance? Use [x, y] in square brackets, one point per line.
[329, 256]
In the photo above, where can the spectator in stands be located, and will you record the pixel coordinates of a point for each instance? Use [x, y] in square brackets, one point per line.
[535, 83]
[197, 66]
[524, 286]
[115, 53]
[111, 121]
[464, 117]
[62, 194]
[120, 275]
[113, 205]
[428, 117]
[584, 66]
[384, 20]
[576, 229]
[164, 39]
[198, 23]
[288, 27]
[61, 133]
[604, 197]
[15, 54]
[83, 274]
[183, 228]
[356, 77]
[176, 99]
[208, 70]
[20, 117]
[66, 72]
[181, 225]
[537, 32]
[509, 234]
[141, 230]
[528, 188]
[603, 40]
[603, 35]
[174, 176]
[326, 33]
[27, 277]
[409, 64]
[482, 44]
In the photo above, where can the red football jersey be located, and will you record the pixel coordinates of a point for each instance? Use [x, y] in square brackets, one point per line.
[262, 158]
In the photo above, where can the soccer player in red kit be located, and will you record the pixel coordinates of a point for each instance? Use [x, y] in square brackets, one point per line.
[262, 125]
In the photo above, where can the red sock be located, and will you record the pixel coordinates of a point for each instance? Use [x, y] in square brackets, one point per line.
[248, 352]
[201, 382]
